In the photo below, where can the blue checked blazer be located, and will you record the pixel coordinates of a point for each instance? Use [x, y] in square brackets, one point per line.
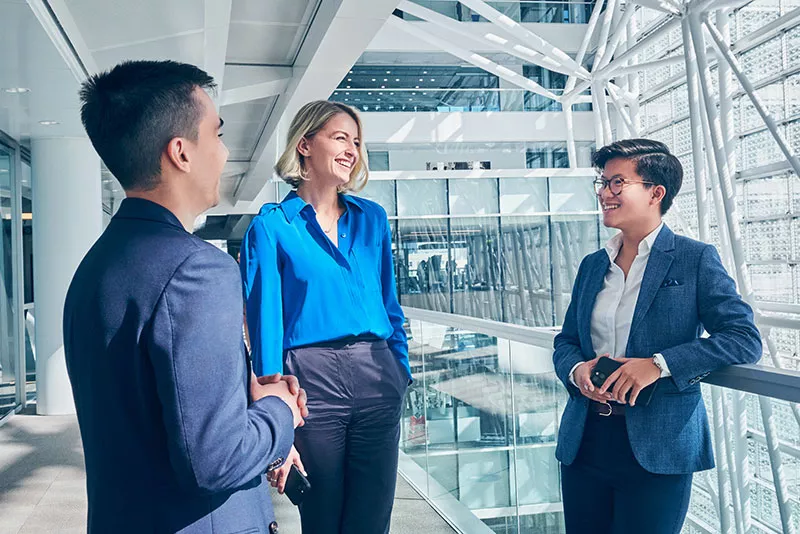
[685, 290]
[154, 350]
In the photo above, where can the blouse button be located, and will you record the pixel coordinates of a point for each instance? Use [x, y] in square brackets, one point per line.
[343, 235]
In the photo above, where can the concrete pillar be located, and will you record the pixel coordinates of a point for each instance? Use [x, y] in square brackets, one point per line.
[67, 220]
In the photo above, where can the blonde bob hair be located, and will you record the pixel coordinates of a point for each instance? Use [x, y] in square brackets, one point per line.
[311, 118]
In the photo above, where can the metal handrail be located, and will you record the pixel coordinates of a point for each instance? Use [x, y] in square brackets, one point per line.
[782, 384]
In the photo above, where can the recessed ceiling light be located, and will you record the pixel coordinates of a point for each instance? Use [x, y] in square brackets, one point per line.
[420, 79]
[424, 72]
[383, 87]
[49, 123]
[349, 79]
[16, 90]
[433, 79]
[373, 79]
[397, 79]
[385, 79]
[388, 72]
[348, 87]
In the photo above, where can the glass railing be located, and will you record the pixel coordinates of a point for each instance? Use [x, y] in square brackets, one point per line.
[481, 419]
[528, 12]
[449, 100]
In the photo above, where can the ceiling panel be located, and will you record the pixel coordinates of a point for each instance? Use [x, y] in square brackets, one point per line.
[250, 42]
[30, 61]
[185, 48]
[243, 125]
[279, 11]
[103, 24]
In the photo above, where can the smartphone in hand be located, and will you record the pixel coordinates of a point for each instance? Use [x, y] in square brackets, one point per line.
[605, 367]
[297, 486]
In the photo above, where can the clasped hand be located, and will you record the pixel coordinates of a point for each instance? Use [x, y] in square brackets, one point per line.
[287, 388]
[632, 377]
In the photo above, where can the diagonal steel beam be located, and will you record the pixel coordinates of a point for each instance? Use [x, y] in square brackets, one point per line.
[473, 58]
[496, 42]
[525, 36]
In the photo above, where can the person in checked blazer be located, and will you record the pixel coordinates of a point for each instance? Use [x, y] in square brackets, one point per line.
[645, 300]
[177, 432]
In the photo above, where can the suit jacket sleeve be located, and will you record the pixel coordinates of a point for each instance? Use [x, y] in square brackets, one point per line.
[567, 346]
[263, 296]
[216, 441]
[398, 341]
[733, 337]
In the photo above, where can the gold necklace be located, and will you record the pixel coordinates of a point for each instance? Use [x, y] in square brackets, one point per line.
[330, 228]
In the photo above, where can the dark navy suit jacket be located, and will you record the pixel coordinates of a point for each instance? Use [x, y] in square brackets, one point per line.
[154, 349]
[685, 290]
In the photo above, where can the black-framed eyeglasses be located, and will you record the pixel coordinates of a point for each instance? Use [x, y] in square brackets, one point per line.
[615, 185]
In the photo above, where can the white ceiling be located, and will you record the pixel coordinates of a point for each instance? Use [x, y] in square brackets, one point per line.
[268, 56]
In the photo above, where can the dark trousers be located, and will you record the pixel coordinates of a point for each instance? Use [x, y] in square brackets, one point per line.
[606, 491]
[349, 443]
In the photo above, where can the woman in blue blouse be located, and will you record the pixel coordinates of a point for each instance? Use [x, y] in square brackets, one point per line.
[321, 304]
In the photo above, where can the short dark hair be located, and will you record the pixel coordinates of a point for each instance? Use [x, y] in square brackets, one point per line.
[654, 163]
[133, 111]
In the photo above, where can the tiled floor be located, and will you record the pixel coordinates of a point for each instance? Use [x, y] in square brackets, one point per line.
[42, 484]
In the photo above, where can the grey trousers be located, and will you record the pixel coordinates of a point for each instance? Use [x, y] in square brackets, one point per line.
[349, 443]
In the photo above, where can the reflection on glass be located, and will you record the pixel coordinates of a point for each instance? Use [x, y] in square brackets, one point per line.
[481, 419]
[573, 237]
[423, 279]
[527, 297]
[8, 371]
[475, 267]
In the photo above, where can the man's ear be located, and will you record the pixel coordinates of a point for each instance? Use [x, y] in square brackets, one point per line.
[177, 155]
[659, 192]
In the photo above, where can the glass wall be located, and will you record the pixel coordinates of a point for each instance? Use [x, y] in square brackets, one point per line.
[446, 88]
[575, 12]
[11, 386]
[480, 421]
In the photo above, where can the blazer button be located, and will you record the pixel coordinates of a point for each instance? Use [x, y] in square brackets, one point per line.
[273, 527]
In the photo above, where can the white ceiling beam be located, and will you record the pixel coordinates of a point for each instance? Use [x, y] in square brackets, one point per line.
[618, 62]
[216, 25]
[340, 32]
[58, 23]
[493, 41]
[253, 92]
[525, 36]
[587, 37]
[473, 58]
[665, 6]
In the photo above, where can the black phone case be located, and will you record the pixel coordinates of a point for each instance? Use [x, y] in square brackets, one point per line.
[297, 485]
[606, 366]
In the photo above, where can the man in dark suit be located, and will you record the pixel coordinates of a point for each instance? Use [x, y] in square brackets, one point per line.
[177, 434]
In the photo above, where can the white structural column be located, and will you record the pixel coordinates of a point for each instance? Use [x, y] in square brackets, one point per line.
[67, 219]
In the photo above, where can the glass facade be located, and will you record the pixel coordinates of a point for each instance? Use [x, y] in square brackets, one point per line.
[12, 382]
[446, 88]
[526, 11]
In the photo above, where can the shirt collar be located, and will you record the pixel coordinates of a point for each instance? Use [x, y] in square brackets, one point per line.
[140, 208]
[615, 243]
[292, 204]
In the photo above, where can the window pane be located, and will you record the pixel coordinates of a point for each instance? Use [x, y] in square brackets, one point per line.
[523, 196]
[474, 249]
[422, 258]
[421, 197]
[473, 197]
[526, 271]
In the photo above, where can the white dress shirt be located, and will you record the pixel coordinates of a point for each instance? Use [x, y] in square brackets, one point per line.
[613, 310]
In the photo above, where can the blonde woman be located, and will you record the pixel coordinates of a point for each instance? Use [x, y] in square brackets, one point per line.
[321, 305]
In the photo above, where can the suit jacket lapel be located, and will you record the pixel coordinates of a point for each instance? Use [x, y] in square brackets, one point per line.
[654, 274]
[594, 283]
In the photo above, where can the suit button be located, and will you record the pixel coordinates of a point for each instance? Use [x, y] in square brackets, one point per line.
[273, 527]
